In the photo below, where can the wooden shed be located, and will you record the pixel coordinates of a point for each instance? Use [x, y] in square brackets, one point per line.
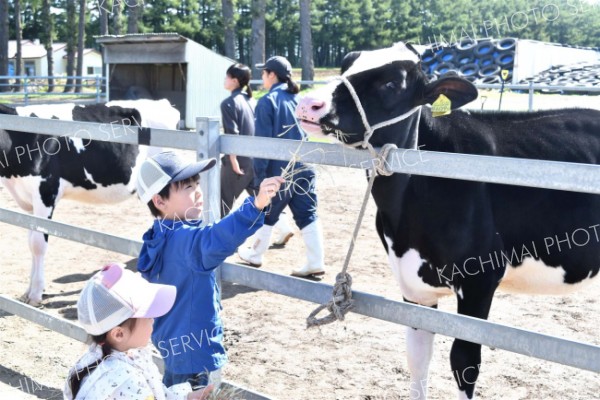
[166, 65]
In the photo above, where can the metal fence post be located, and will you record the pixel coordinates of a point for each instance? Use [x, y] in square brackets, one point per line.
[207, 129]
[25, 91]
[530, 96]
[97, 90]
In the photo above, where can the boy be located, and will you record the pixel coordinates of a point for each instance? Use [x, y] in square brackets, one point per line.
[178, 251]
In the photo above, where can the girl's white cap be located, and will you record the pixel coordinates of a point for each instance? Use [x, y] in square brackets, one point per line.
[116, 294]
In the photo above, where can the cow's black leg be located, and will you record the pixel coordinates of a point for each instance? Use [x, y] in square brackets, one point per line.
[465, 357]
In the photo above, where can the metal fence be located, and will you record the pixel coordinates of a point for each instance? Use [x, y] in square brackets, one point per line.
[207, 142]
[530, 88]
[25, 87]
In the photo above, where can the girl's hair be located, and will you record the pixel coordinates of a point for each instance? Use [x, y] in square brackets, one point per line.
[293, 87]
[166, 192]
[77, 377]
[241, 72]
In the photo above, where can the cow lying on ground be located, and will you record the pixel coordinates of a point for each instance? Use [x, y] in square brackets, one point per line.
[447, 236]
[39, 170]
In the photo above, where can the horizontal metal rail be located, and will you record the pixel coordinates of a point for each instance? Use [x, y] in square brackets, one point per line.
[507, 86]
[74, 233]
[567, 352]
[545, 347]
[538, 87]
[116, 131]
[504, 170]
[74, 331]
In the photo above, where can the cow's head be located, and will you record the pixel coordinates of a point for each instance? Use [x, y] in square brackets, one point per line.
[388, 84]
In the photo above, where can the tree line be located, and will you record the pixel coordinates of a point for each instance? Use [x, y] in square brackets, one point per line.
[310, 33]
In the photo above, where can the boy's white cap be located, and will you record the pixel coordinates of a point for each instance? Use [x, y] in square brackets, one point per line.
[115, 294]
[163, 168]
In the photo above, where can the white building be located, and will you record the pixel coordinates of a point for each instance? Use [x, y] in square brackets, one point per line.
[35, 62]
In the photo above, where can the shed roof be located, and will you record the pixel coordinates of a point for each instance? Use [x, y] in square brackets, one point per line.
[152, 48]
[141, 38]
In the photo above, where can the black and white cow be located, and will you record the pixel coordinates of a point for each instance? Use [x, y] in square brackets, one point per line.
[447, 236]
[39, 170]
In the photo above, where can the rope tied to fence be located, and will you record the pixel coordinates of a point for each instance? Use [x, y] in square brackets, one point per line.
[341, 300]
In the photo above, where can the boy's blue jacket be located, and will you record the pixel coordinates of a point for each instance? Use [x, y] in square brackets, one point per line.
[184, 254]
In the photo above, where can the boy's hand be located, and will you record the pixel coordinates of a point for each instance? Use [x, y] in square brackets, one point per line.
[201, 394]
[268, 189]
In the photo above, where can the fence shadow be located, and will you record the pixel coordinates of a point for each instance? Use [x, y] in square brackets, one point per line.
[230, 290]
[79, 277]
[27, 385]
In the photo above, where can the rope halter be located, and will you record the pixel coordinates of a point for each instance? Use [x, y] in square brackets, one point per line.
[381, 167]
[341, 300]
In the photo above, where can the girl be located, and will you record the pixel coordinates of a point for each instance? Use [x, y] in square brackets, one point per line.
[237, 114]
[117, 307]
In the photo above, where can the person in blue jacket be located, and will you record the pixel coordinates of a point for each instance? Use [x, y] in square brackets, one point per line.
[275, 118]
[178, 250]
[237, 116]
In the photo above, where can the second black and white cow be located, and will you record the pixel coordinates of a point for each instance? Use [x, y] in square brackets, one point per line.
[447, 236]
[39, 170]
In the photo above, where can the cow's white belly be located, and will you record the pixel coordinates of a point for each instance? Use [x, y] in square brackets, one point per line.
[22, 188]
[102, 194]
[108, 194]
[25, 190]
[535, 277]
[406, 272]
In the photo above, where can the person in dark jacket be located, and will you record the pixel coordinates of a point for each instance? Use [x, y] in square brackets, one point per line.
[275, 118]
[237, 116]
[179, 250]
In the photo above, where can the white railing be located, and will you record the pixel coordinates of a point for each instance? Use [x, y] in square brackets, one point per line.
[25, 87]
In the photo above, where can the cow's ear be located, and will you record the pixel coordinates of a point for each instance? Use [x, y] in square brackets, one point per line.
[349, 60]
[460, 91]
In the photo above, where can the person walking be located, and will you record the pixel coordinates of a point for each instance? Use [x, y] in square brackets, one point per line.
[274, 118]
[237, 116]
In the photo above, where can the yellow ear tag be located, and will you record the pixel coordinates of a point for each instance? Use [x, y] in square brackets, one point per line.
[504, 74]
[442, 106]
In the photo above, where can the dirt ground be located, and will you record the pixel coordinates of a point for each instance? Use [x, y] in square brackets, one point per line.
[269, 347]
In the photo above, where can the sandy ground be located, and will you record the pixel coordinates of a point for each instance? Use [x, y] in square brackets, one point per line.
[269, 347]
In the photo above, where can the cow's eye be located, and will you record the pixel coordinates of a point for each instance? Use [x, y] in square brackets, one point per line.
[394, 86]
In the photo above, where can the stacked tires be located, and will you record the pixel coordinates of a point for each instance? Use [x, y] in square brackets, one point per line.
[582, 74]
[479, 61]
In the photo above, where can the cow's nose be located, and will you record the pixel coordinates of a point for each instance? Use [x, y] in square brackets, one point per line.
[311, 109]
